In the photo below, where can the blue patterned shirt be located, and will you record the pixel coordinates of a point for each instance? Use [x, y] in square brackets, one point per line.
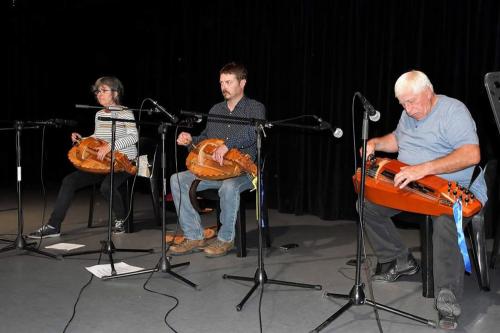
[235, 134]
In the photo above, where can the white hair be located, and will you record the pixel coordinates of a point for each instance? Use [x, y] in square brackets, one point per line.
[417, 81]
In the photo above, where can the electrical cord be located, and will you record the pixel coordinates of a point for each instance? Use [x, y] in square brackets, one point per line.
[176, 300]
[260, 306]
[165, 318]
[42, 183]
[131, 194]
[80, 294]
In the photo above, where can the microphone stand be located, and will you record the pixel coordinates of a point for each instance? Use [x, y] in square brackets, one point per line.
[164, 264]
[357, 296]
[107, 246]
[260, 276]
[20, 243]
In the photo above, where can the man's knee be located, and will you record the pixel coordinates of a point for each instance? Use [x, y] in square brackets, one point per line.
[443, 225]
[228, 190]
[181, 178]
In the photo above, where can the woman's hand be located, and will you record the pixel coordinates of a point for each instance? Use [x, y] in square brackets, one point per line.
[75, 137]
[102, 151]
[184, 139]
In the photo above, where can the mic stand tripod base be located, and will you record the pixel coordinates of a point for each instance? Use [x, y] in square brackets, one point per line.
[260, 278]
[20, 244]
[357, 297]
[162, 266]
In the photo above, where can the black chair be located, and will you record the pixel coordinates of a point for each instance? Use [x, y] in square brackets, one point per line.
[496, 245]
[491, 216]
[149, 147]
[476, 232]
[492, 85]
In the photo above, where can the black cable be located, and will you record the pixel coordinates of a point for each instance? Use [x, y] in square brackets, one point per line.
[354, 135]
[80, 294]
[131, 194]
[260, 306]
[293, 118]
[178, 222]
[367, 269]
[44, 193]
[168, 245]
[166, 295]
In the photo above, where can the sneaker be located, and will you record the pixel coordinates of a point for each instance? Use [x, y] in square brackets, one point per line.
[188, 246]
[119, 227]
[218, 248]
[46, 231]
[448, 309]
[446, 303]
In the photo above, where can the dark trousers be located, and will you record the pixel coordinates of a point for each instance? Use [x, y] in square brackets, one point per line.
[448, 265]
[80, 179]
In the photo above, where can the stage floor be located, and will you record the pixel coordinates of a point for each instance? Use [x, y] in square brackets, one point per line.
[39, 293]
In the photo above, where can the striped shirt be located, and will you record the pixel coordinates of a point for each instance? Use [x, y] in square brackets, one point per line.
[235, 135]
[125, 135]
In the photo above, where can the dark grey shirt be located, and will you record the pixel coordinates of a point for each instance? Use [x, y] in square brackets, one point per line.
[235, 134]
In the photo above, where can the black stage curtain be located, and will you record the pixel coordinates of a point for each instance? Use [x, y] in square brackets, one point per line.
[304, 57]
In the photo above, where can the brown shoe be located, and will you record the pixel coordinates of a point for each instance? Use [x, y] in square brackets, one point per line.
[188, 246]
[218, 248]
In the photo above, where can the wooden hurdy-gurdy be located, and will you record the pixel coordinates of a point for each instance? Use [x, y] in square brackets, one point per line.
[431, 195]
[83, 155]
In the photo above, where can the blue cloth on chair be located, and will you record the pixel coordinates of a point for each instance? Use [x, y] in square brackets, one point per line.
[457, 214]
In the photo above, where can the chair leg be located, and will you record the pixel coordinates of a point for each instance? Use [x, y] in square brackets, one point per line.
[477, 238]
[496, 244]
[129, 204]
[241, 231]
[91, 208]
[426, 261]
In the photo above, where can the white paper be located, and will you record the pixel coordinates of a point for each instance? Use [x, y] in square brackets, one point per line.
[105, 269]
[64, 246]
[143, 167]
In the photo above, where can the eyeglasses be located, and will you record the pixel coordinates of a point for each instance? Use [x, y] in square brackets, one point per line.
[102, 91]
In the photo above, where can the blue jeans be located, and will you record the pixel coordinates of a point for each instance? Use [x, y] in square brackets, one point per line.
[229, 193]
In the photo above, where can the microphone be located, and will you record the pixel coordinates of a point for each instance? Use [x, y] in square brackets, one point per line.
[64, 122]
[196, 119]
[116, 108]
[373, 114]
[110, 108]
[55, 122]
[337, 132]
[82, 106]
[172, 117]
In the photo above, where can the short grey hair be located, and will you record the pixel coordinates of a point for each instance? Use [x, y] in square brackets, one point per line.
[415, 80]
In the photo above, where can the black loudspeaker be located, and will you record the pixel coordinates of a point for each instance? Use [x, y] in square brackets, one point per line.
[492, 84]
